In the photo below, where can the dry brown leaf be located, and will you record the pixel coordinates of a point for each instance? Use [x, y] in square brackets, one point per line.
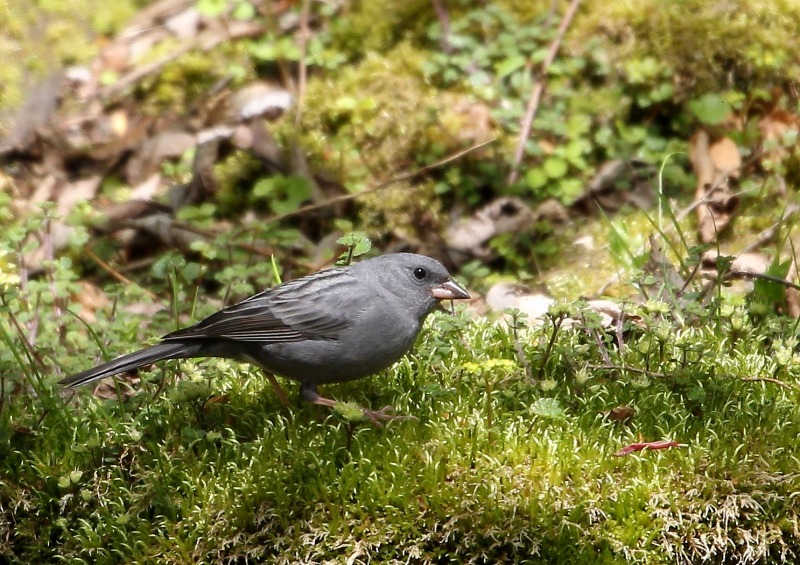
[620, 413]
[775, 127]
[167, 230]
[715, 164]
[256, 138]
[700, 156]
[154, 151]
[725, 157]
[67, 195]
[777, 123]
[185, 24]
[89, 300]
[470, 122]
[125, 383]
[256, 100]
[146, 309]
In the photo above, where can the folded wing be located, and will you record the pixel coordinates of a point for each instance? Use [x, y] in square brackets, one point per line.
[317, 307]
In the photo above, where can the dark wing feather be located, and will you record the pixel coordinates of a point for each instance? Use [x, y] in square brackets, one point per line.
[319, 306]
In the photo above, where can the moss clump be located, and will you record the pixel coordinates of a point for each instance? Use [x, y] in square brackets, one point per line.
[708, 45]
[368, 27]
[381, 106]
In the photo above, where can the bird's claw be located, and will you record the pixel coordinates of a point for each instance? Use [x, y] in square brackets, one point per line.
[377, 417]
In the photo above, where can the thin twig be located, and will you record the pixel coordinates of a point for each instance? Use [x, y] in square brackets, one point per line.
[689, 279]
[212, 233]
[113, 272]
[593, 333]
[538, 88]
[33, 354]
[302, 71]
[381, 186]
[768, 380]
[705, 201]
[762, 276]
[444, 23]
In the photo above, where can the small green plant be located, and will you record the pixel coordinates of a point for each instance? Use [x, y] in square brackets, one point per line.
[357, 243]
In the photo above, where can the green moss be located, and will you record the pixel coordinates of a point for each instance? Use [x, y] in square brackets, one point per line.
[237, 174]
[366, 124]
[708, 45]
[367, 27]
[496, 469]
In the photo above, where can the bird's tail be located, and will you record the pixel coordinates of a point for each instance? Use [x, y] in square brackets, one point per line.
[166, 350]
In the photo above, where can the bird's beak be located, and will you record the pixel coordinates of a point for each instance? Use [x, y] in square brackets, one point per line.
[449, 290]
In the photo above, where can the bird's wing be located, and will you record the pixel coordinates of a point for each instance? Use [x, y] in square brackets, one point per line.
[316, 307]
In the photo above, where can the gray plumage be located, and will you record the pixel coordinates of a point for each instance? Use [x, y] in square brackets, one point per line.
[336, 325]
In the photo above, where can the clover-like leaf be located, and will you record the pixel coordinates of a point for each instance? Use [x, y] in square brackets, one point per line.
[548, 408]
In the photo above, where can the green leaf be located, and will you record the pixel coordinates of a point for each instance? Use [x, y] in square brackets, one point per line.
[536, 178]
[509, 65]
[569, 189]
[575, 150]
[710, 108]
[662, 92]
[547, 408]
[358, 243]
[540, 55]
[284, 193]
[244, 11]
[555, 167]
[211, 8]
[772, 292]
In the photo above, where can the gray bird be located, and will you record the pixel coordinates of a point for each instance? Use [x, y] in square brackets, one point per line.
[336, 325]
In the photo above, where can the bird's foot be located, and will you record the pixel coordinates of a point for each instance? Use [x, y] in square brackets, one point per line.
[377, 417]
[350, 410]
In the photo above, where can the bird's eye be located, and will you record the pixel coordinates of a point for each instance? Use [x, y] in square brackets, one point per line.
[420, 273]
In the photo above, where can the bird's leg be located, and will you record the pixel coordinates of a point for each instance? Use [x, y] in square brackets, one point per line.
[309, 393]
[278, 388]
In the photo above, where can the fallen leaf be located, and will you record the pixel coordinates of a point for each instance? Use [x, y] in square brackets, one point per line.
[714, 163]
[122, 387]
[89, 300]
[640, 446]
[620, 413]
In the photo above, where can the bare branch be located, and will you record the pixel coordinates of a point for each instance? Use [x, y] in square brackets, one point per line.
[538, 88]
